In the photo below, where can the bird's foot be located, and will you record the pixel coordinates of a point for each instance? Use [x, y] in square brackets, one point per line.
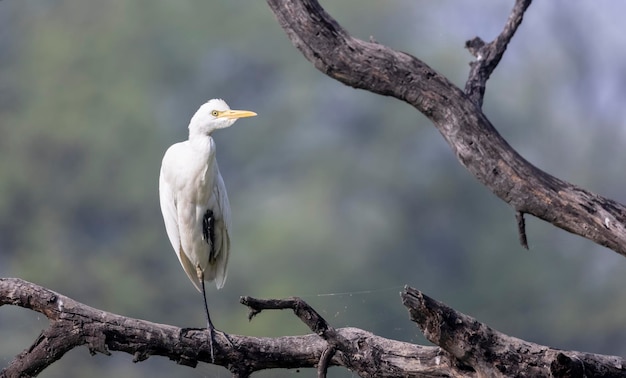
[212, 331]
[211, 338]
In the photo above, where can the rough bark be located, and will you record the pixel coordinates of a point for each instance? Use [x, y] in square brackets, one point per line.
[493, 354]
[457, 115]
[466, 347]
[73, 324]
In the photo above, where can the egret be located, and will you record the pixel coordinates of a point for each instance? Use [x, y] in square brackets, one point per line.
[194, 202]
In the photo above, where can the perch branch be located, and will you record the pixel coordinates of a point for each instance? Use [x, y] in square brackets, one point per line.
[476, 143]
[466, 347]
[73, 324]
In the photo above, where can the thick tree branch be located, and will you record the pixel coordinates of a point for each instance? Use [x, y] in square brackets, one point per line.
[476, 143]
[466, 347]
[487, 58]
[73, 324]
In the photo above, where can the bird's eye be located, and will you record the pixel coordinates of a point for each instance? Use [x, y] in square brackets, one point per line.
[215, 113]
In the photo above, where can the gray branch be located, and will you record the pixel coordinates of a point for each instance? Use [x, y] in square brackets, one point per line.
[466, 347]
[476, 143]
[73, 324]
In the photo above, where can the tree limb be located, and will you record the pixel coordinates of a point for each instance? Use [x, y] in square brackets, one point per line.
[73, 324]
[466, 347]
[475, 142]
[487, 58]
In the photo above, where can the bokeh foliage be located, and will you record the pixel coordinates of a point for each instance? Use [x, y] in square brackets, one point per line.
[339, 196]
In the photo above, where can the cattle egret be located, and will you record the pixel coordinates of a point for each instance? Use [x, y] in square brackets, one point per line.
[194, 202]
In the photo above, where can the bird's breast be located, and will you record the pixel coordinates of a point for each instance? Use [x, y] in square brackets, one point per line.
[191, 169]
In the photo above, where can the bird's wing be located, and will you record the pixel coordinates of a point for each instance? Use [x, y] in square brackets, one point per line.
[168, 208]
[222, 200]
[222, 225]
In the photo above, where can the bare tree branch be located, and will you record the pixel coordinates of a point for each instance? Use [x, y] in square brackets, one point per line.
[73, 324]
[466, 347]
[487, 58]
[475, 142]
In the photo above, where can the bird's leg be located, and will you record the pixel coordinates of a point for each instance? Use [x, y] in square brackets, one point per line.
[210, 325]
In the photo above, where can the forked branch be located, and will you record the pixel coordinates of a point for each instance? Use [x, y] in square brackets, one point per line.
[475, 142]
[488, 55]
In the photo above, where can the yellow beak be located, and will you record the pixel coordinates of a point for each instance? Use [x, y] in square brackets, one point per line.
[234, 114]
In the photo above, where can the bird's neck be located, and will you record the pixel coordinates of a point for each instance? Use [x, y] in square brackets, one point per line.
[200, 141]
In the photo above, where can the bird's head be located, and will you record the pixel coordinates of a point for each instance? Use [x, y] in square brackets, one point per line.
[215, 114]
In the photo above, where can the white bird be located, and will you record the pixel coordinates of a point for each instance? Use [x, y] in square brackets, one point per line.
[194, 202]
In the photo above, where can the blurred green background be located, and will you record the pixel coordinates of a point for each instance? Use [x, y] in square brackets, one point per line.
[339, 196]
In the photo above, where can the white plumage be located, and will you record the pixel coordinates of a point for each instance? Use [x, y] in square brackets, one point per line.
[193, 198]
